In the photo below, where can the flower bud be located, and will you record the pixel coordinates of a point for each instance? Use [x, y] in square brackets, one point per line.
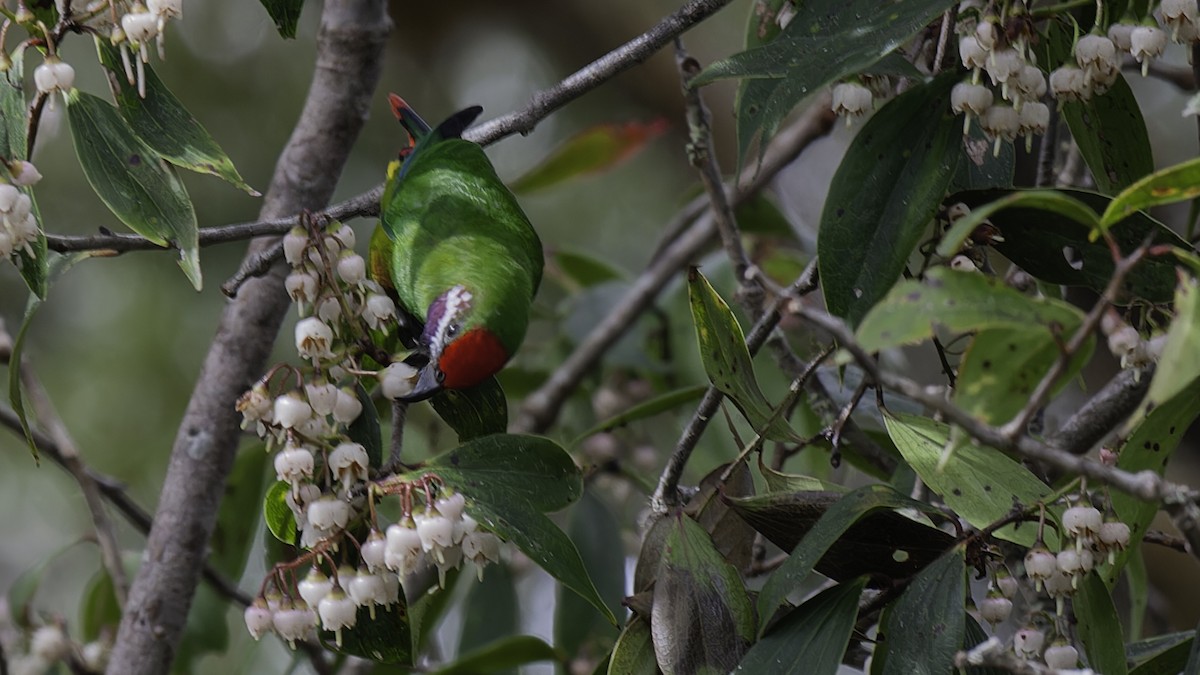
[259, 619]
[397, 380]
[352, 268]
[24, 173]
[348, 407]
[291, 410]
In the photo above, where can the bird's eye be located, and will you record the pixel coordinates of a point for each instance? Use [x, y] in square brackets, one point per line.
[452, 330]
[441, 376]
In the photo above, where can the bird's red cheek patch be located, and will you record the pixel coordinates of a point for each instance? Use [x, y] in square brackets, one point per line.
[472, 358]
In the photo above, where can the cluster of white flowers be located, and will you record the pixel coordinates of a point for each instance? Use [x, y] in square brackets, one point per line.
[140, 25]
[985, 46]
[49, 647]
[18, 225]
[1128, 345]
[1087, 539]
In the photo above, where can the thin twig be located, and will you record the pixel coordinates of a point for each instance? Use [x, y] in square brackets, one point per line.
[399, 413]
[1165, 540]
[939, 55]
[1115, 401]
[253, 266]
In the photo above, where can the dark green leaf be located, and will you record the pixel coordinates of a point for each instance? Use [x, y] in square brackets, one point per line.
[98, 609]
[634, 651]
[1052, 201]
[731, 535]
[812, 638]
[646, 570]
[545, 544]
[1162, 655]
[474, 412]
[234, 533]
[650, 408]
[12, 109]
[975, 635]
[504, 469]
[591, 151]
[502, 655]
[980, 168]
[978, 483]
[702, 619]
[1098, 627]
[490, 609]
[828, 529]
[882, 201]
[758, 214]
[925, 628]
[279, 517]
[959, 302]
[365, 430]
[164, 124]
[285, 14]
[586, 270]
[598, 537]
[778, 481]
[884, 545]
[1172, 184]
[1036, 240]
[826, 40]
[727, 361]
[1193, 662]
[136, 185]
[1111, 136]
[384, 639]
[206, 631]
[427, 611]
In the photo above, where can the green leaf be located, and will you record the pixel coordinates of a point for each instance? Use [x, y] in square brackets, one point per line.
[278, 516]
[634, 651]
[1172, 184]
[591, 151]
[130, 178]
[881, 201]
[598, 537]
[702, 619]
[1162, 655]
[365, 429]
[825, 41]
[727, 361]
[206, 630]
[650, 408]
[507, 469]
[1052, 201]
[503, 655]
[958, 302]
[925, 627]
[162, 122]
[731, 535]
[285, 14]
[474, 412]
[1182, 344]
[545, 544]
[427, 611]
[777, 481]
[586, 270]
[812, 638]
[490, 609]
[384, 639]
[978, 483]
[884, 545]
[1098, 627]
[22, 591]
[980, 168]
[829, 528]
[1037, 240]
[12, 109]
[1003, 366]
[98, 609]
[758, 214]
[1111, 135]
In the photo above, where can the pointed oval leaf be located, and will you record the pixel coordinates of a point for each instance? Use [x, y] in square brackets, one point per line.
[490, 609]
[881, 200]
[1172, 184]
[285, 14]
[727, 361]
[978, 483]
[1099, 627]
[162, 122]
[925, 628]
[598, 537]
[503, 655]
[1054, 201]
[34, 267]
[383, 639]
[591, 151]
[634, 651]
[278, 516]
[959, 302]
[838, 518]
[650, 408]
[1111, 135]
[1182, 344]
[475, 412]
[98, 609]
[702, 619]
[507, 469]
[812, 638]
[1039, 241]
[1161, 655]
[586, 270]
[136, 185]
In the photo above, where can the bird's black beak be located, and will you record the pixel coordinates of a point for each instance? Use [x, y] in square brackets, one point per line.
[429, 377]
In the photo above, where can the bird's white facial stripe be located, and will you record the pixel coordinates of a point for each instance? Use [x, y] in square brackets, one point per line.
[458, 300]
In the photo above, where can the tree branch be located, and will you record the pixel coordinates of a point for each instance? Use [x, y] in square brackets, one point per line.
[349, 59]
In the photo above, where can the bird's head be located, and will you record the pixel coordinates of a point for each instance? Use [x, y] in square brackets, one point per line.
[456, 350]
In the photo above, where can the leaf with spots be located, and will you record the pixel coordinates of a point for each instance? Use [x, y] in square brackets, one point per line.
[727, 361]
[1111, 135]
[829, 528]
[1172, 184]
[1099, 627]
[162, 122]
[1003, 366]
[825, 40]
[1148, 447]
[132, 180]
[812, 638]
[881, 201]
[981, 168]
[383, 639]
[1052, 241]
[702, 620]
[959, 302]
[980, 484]
[925, 627]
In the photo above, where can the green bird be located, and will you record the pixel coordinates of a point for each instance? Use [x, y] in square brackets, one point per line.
[458, 251]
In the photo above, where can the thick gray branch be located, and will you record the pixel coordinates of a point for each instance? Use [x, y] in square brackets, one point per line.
[349, 50]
